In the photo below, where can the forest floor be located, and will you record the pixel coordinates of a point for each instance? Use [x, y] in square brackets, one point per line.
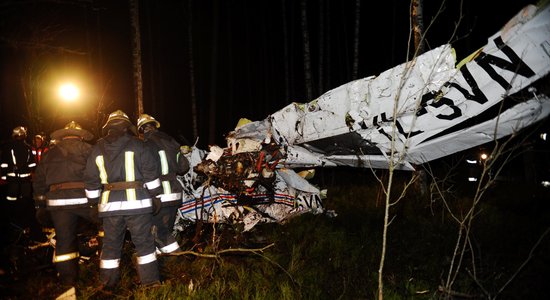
[330, 257]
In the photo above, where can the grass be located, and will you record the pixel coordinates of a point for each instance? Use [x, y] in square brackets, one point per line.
[322, 257]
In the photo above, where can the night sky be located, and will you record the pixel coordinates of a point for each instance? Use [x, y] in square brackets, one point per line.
[247, 56]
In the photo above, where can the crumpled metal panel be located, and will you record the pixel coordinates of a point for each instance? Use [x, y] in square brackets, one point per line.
[418, 111]
[222, 195]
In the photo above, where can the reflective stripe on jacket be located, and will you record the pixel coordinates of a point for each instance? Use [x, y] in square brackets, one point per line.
[171, 163]
[122, 159]
[17, 160]
[60, 173]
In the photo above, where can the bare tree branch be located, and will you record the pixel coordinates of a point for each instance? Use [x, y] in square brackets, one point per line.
[40, 46]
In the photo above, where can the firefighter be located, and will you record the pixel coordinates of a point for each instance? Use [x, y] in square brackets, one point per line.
[58, 186]
[17, 164]
[172, 163]
[123, 171]
[39, 147]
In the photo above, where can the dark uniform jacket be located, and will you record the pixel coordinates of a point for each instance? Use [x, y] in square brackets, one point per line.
[17, 160]
[16, 166]
[60, 173]
[124, 172]
[172, 163]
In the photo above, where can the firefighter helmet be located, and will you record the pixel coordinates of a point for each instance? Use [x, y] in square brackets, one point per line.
[39, 136]
[119, 119]
[72, 129]
[38, 140]
[146, 119]
[19, 132]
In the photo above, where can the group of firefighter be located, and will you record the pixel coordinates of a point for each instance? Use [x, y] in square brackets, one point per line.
[125, 182]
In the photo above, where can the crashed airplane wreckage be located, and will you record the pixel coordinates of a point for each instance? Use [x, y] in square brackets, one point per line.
[416, 112]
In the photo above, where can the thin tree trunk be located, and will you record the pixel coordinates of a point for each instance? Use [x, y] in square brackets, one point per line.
[355, 71]
[265, 60]
[394, 22]
[418, 26]
[194, 112]
[385, 233]
[229, 89]
[285, 52]
[27, 95]
[418, 31]
[307, 55]
[213, 79]
[100, 110]
[328, 48]
[90, 58]
[344, 54]
[152, 66]
[248, 53]
[321, 46]
[31, 74]
[136, 54]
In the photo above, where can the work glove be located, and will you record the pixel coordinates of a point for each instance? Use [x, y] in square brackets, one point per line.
[156, 205]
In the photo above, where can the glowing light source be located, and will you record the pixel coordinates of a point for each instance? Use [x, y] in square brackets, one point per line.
[69, 92]
[483, 156]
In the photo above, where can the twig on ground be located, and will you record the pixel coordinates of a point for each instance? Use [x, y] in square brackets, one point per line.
[218, 253]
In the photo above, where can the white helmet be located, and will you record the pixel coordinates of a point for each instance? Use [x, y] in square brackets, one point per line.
[116, 119]
[19, 132]
[146, 119]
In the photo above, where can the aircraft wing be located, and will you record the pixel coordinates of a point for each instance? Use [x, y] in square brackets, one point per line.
[416, 112]
[424, 109]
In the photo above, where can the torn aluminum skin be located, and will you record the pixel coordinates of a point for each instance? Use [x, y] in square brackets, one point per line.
[416, 112]
[423, 109]
[287, 195]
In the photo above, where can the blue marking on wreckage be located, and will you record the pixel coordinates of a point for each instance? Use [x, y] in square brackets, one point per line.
[193, 204]
[190, 205]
